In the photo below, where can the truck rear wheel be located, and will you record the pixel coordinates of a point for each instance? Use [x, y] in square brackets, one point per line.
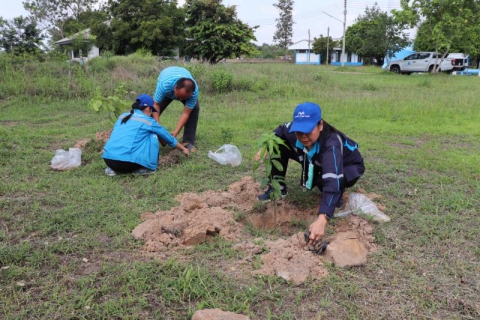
[432, 70]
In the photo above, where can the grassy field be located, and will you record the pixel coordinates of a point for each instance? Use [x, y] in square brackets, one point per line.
[65, 245]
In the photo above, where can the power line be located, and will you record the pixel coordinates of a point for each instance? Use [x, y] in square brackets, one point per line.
[353, 8]
[296, 16]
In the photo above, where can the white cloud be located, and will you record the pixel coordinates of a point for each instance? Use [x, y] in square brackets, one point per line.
[12, 9]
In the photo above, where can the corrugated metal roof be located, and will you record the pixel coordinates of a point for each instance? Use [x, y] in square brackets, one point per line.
[301, 45]
[85, 33]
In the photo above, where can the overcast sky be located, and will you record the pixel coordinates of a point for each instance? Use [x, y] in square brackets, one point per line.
[307, 15]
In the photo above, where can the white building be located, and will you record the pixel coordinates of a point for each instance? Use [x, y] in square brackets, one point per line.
[79, 55]
[304, 55]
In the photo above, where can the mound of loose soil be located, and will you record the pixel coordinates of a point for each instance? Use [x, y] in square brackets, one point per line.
[82, 143]
[103, 135]
[170, 159]
[224, 213]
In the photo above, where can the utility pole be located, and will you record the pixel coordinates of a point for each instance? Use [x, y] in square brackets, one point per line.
[344, 25]
[308, 55]
[328, 39]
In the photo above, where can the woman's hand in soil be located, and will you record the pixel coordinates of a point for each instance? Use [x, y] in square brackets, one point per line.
[317, 228]
[186, 152]
[182, 148]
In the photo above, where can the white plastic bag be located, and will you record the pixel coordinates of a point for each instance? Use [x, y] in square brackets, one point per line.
[359, 204]
[227, 154]
[64, 160]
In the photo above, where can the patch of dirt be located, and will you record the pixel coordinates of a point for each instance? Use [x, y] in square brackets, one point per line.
[103, 135]
[225, 213]
[82, 143]
[290, 260]
[170, 159]
[352, 242]
[8, 123]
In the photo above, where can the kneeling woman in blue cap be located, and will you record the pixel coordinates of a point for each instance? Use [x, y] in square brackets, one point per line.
[133, 146]
[330, 161]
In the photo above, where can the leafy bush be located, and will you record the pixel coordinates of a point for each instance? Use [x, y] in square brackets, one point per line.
[143, 52]
[197, 70]
[221, 81]
[261, 85]
[108, 54]
[242, 84]
[101, 64]
[51, 78]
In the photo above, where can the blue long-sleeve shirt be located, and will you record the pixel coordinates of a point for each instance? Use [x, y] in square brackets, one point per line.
[336, 157]
[137, 140]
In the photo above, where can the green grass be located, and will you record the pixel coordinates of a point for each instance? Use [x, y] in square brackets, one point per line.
[419, 136]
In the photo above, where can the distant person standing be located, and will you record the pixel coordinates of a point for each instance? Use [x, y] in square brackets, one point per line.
[176, 83]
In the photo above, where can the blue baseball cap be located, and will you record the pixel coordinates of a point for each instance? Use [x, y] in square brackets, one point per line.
[144, 100]
[305, 117]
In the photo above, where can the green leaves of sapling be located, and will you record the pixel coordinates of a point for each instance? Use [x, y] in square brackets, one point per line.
[269, 155]
[115, 104]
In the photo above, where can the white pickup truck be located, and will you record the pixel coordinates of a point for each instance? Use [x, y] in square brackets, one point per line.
[426, 61]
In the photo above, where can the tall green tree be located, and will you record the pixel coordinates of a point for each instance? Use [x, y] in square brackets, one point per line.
[375, 35]
[320, 46]
[215, 32]
[85, 20]
[155, 25]
[468, 42]
[284, 33]
[20, 35]
[52, 15]
[446, 24]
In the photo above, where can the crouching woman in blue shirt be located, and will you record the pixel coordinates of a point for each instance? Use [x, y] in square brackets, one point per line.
[133, 146]
[330, 161]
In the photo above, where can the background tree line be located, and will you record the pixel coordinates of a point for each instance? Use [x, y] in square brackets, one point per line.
[210, 31]
[443, 26]
[202, 29]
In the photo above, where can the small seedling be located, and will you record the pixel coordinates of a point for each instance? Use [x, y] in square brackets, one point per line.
[115, 104]
[269, 155]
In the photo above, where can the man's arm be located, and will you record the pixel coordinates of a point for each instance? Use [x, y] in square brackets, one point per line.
[182, 120]
[156, 115]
